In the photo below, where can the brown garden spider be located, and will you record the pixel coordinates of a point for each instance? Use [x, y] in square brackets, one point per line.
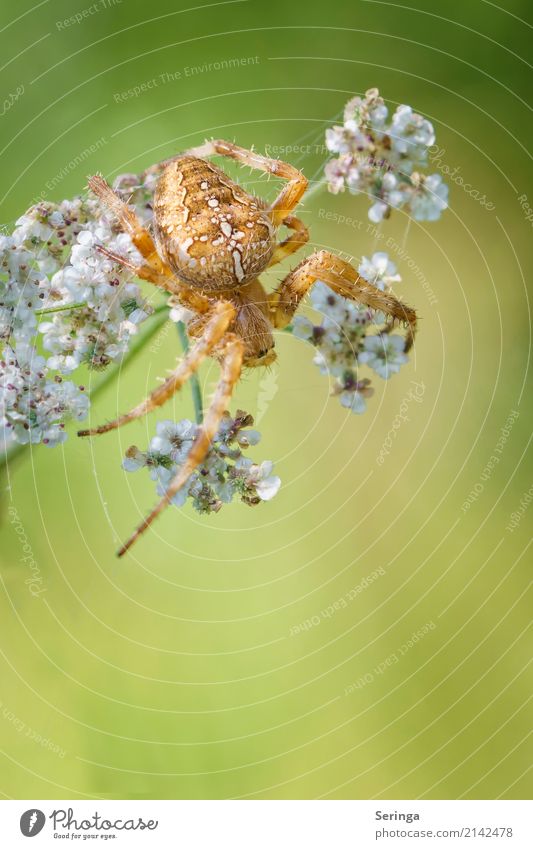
[211, 241]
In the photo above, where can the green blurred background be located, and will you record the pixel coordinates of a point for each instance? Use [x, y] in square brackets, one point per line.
[173, 673]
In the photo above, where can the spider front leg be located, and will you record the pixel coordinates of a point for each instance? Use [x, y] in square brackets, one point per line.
[343, 279]
[128, 221]
[231, 364]
[145, 272]
[289, 196]
[214, 330]
[187, 297]
[292, 243]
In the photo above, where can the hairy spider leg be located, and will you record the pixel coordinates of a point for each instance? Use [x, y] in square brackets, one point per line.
[343, 279]
[144, 271]
[231, 364]
[289, 196]
[185, 296]
[296, 240]
[215, 328]
[129, 222]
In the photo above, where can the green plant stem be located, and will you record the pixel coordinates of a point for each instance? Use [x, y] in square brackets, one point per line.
[47, 310]
[160, 315]
[314, 190]
[195, 384]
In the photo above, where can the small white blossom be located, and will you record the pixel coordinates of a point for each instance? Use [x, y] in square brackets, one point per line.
[178, 312]
[259, 477]
[173, 439]
[352, 392]
[379, 270]
[326, 301]
[134, 459]
[429, 198]
[411, 136]
[378, 211]
[384, 353]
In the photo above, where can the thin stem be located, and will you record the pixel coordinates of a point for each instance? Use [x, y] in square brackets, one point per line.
[195, 384]
[47, 310]
[406, 232]
[315, 188]
[377, 235]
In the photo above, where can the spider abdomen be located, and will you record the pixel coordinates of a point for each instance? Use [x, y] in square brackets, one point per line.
[213, 234]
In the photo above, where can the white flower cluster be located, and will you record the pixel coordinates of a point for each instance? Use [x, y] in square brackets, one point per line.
[63, 304]
[381, 158]
[224, 474]
[341, 340]
[32, 407]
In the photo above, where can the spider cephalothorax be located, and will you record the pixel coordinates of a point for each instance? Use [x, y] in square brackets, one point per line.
[211, 241]
[210, 231]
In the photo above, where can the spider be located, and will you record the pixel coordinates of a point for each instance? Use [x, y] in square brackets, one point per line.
[211, 241]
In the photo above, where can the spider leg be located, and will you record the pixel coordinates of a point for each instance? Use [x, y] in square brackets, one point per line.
[231, 364]
[145, 271]
[343, 279]
[129, 222]
[292, 243]
[213, 332]
[289, 196]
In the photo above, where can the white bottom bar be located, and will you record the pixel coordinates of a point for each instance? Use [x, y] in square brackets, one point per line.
[268, 824]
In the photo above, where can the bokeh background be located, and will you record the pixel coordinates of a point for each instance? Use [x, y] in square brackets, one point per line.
[173, 673]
